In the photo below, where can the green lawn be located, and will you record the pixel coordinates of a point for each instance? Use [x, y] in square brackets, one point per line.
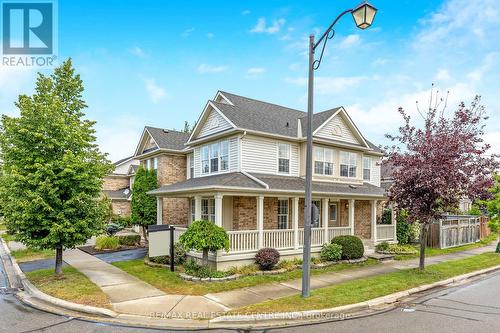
[73, 286]
[368, 288]
[171, 283]
[32, 254]
[430, 251]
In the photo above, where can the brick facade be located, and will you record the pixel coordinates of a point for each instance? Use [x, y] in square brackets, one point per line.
[362, 219]
[113, 183]
[172, 169]
[244, 213]
[121, 207]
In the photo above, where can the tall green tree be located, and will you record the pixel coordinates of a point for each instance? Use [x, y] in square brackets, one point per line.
[143, 204]
[52, 168]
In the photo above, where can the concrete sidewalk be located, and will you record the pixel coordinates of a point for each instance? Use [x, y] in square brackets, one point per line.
[132, 296]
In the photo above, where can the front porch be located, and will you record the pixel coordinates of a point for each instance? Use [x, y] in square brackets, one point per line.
[257, 221]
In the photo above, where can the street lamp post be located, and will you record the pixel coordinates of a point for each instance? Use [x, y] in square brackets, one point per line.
[363, 16]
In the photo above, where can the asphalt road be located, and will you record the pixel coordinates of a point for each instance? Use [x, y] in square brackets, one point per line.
[471, 308]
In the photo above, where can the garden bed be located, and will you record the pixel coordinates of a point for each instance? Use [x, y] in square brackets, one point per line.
[90, 249]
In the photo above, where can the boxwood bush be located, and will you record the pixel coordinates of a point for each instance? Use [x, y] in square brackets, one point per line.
[267, 258]
[180, 255]
[129, 240]
[331, 252]
[352, 246]
[107, 243]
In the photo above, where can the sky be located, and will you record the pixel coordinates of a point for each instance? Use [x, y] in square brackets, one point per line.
[157, 63]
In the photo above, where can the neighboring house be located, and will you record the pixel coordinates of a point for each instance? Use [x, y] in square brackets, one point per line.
[118, 185]
[243, 168]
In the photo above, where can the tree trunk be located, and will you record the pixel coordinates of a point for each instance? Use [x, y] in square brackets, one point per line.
[424, 228]
[145, 234]
[59, 261]
[205, 258]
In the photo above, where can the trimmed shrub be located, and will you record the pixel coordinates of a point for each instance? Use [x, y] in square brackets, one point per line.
[123, 221]
[384, 246]
[498, 248]
[267, 258]
[107, 243]
[331, 252]
[403, 228]
[352, 246]
[192, 268]
[129, 240]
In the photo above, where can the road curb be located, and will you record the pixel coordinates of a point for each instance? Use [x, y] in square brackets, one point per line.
[337, 312]
[22, 282]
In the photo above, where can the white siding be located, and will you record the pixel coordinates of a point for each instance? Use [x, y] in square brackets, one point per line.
[214, 123]
[261, 155]
[233, 156]
[375, 173]
[328, 130]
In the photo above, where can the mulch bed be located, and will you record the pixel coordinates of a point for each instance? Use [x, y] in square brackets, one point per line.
[90, 249]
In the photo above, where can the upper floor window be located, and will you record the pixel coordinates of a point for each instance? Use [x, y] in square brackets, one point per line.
[367, 168]
[191, 166]
[215, 157]
[151, 163]
[323, 161]
[348, 164]
[283, 158]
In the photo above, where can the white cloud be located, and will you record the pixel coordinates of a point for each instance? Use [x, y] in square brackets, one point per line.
[210, 35]
[204, 69]
[379, 62]
[246, 12]
[138, 52]
[120, 138]
[442, 75]
[256, 70]
[350, 41]
[489, 61]
[262, 27]
[186, 33]
[156, 92]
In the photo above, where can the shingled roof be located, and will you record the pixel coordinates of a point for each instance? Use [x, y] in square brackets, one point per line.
[168, 139]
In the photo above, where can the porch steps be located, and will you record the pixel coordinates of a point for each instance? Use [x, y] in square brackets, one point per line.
[380, 257]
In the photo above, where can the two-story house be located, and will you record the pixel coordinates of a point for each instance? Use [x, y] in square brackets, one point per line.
[243, 167]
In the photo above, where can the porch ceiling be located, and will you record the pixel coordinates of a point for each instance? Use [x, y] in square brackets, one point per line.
[237, 181]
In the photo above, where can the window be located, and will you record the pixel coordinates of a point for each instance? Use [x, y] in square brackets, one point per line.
[155, 163]
[191, 166]
[208, 209]
[348, 164]
[148, 164]
[323, 161]
[318, 222]
[224, 155]
[332, 212]
[283, 214]
[215, 157]
[283, 158]
[193, 209]
[205, 166]
[367, 168]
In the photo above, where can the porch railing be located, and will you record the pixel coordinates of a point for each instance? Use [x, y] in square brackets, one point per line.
[338, 231]
[385, 232]
[279, 239]
[243, 241]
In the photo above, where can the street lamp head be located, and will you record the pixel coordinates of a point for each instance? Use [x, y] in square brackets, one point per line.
[363, 15]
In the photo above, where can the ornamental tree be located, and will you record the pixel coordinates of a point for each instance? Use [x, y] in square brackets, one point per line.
[205, 236]
[52, 169]
[144, 205]
[493, 206]
[440, 163]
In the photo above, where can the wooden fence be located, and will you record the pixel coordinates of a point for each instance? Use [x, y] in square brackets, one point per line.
[452, 231]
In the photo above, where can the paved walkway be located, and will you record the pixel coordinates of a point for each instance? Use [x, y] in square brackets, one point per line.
[132, 296]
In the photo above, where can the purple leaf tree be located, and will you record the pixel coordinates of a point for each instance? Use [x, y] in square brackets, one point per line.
[439, 162]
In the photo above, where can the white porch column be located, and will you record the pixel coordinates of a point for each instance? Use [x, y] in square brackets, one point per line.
[197, 208]
[324, 218]
[260, 221]
[295, 214]
[373, 219]
[394, 223]
[351, 215]
[218, 209]
[159, 210]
